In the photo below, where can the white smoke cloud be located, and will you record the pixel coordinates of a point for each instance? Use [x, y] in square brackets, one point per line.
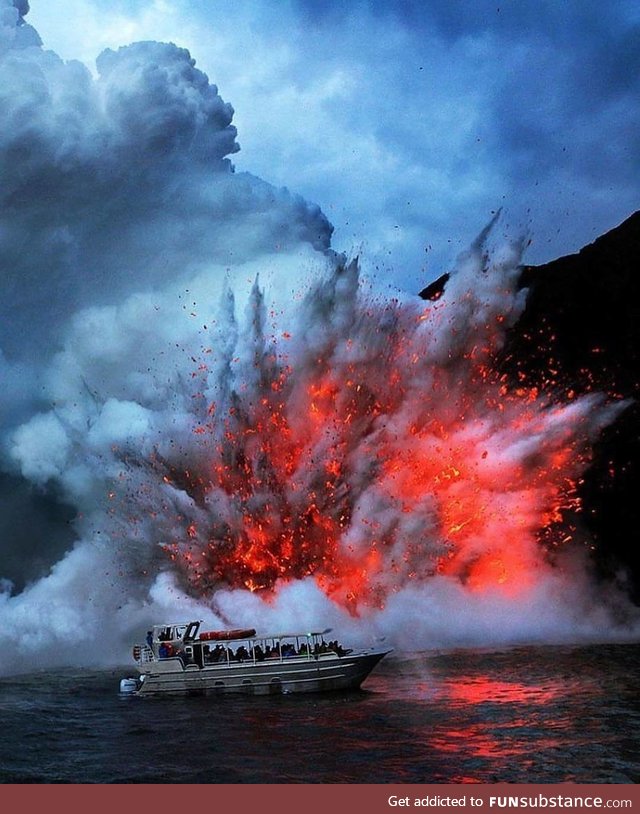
[112, 185]
[121, 183]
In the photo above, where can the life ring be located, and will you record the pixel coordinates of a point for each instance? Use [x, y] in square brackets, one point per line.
[226, 635]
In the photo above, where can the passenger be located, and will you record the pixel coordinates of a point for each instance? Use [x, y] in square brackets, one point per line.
[258, 653]
[162, 652]
[149, 638]
[242, 653]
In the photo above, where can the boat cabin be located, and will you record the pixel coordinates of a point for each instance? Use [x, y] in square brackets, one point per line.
[231, 647]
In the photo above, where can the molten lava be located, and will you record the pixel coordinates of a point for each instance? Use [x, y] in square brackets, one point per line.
[374, 443]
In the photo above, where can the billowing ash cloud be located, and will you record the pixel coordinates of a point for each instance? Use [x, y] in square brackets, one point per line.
[243, 431]
[111, 186]
[121, 183]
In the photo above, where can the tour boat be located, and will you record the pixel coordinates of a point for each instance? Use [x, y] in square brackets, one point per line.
[179, 658]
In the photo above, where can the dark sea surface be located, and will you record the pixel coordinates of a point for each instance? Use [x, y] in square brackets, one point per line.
[528, 715]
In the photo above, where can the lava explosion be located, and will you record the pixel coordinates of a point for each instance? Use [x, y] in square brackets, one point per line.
[372, 444]
[226, 423]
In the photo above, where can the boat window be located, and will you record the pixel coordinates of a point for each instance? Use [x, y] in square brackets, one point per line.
[192, 630]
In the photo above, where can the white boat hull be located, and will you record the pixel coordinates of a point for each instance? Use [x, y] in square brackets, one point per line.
[294, 675]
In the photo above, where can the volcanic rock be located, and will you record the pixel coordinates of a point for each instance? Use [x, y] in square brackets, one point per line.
[579, 333]
[583, 318]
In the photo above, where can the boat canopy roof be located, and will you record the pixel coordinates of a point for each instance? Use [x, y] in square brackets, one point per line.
[291, 635]
[180, 628]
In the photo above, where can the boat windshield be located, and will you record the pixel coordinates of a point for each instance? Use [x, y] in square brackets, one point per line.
[174, 633]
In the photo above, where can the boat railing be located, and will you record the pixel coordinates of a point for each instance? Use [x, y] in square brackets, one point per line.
[252, 650]
[143, 654]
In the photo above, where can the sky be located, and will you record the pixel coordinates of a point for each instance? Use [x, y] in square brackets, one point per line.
[185, 185]
[410, 123]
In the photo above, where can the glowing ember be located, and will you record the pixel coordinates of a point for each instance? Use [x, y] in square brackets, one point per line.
[371, 444]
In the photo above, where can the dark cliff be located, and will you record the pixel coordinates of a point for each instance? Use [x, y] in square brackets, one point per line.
[583, 311]
[582, 321]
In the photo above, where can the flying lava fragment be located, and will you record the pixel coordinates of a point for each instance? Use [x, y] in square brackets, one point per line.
[371, 444]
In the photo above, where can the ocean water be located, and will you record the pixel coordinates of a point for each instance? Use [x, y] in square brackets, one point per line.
[527, 714]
